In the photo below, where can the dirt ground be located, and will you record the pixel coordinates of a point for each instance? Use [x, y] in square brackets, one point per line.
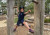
[21, 30]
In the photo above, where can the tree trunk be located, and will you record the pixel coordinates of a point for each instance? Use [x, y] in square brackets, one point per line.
[10, 17]
[39, 10]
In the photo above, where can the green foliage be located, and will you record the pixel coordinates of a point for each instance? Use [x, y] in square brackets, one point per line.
[47, 6]
[47, 20]
[48, 1]
[5, 12]
[30, 7]
[20, 2]
[15, 20]
[0, 1]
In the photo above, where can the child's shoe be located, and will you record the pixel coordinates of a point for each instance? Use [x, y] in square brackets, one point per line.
[30, 30]
[14, 30]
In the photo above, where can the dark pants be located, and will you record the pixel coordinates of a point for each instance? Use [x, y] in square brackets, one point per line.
[20, 22]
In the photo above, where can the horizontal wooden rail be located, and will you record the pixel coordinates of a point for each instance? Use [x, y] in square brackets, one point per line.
[6, 6]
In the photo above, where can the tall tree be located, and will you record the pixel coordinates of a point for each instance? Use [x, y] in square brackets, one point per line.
[10, 17]
[39, 10]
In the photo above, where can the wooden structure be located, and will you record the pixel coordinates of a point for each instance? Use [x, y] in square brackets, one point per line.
[10, 17]
[39, 10]
[6, 6]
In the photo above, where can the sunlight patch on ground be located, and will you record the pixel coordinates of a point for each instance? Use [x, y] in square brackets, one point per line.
[2, 24]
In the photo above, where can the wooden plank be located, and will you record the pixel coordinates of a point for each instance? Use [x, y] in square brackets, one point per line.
[6, 6]
[47, 24]
[46, 29]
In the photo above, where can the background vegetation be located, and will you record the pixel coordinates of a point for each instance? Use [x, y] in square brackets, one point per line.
[28, 4]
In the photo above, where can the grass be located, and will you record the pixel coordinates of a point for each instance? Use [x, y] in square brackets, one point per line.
[16, 19]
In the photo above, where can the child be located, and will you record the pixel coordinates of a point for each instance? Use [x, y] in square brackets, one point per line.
[21, 19]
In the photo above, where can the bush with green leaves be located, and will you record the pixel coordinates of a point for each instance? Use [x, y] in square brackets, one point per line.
[5, 12]
[30, 7]
[47, 20]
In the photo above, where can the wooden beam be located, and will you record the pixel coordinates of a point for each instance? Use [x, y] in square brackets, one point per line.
[39, 10]
[46, 29]
[47, 24]
[6, 6]
[10, 17]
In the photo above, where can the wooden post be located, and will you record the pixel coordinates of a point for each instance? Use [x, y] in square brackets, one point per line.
[10, 17]
[39, 10]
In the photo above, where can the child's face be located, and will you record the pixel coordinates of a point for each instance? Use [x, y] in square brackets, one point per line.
[22, 10]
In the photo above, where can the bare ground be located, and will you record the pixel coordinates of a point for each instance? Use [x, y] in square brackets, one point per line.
[22, 30]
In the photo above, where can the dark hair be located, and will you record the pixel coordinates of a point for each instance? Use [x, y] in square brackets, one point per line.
[21, 8]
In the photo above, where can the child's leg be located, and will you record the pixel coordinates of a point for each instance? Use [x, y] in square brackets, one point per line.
[25, 23]
[16, 27]
[18, 24]
[30, 30]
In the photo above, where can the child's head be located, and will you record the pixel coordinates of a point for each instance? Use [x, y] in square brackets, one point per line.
[21, 9]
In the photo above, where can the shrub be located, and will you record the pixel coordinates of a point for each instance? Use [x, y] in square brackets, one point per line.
[47, 20]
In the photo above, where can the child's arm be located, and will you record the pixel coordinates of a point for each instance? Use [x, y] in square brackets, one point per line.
[27, 12]
[17, 11]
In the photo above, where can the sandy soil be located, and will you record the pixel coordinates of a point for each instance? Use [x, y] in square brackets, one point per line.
[2, 23]
[21, 30]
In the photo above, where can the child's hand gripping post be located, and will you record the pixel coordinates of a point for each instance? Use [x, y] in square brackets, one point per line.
[17, 11]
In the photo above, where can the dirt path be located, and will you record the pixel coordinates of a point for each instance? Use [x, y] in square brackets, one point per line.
[22, 30]
[2, 23]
